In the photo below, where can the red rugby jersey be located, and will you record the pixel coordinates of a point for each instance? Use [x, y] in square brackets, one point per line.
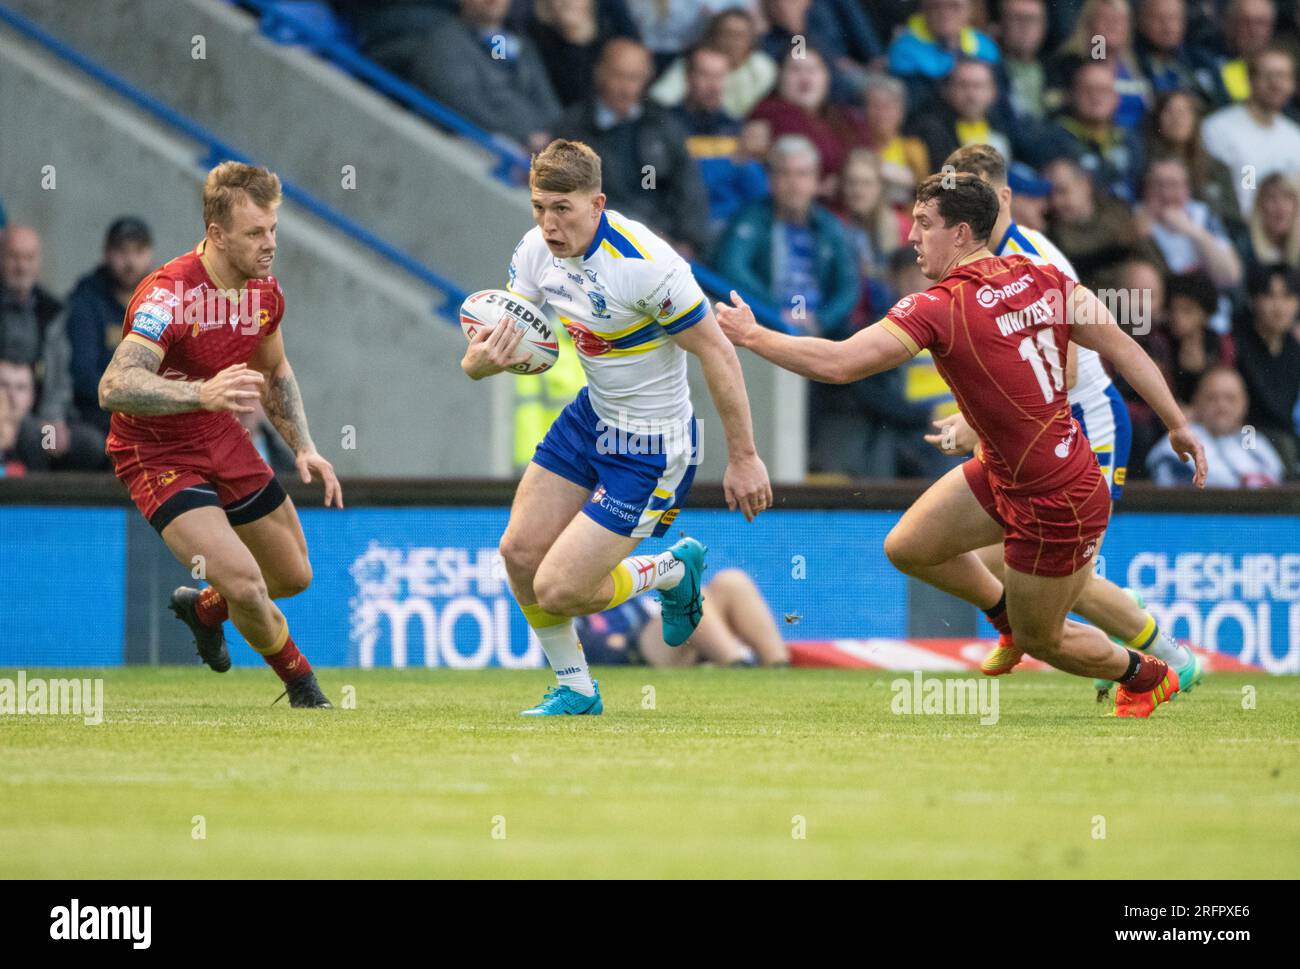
[198, 326]
[998, 332]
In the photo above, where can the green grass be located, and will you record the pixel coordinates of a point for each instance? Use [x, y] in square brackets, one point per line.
[706, 784]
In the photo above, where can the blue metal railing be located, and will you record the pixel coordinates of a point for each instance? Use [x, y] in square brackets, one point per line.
[215, 151]
[280, 25]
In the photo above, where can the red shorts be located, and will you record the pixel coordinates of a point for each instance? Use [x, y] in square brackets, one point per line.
[1053, 534]
[223, 460]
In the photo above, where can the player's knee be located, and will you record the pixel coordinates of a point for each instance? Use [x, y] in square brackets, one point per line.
[556, 596]
[1041, 645]
[292, 581]
[902, 553]
[731, 580]
[246, 590]
[520, 555]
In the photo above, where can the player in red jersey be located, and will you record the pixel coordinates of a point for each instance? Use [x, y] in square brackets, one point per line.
[998, 329]
[201, 341]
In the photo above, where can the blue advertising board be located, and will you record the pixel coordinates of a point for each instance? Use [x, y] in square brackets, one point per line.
[425, 586]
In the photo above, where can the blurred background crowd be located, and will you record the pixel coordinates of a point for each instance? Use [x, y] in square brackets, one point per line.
[779, 141]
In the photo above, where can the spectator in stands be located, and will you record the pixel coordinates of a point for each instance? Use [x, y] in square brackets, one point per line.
[1022, 31]
[801, 106]
[1174, 128]
[569, 35]
[1030, 195]
[1237, 456]
[789, 250]
[96, 309]
[751, 72]
[32, 333]
[668, 28]
[795, 25]
[1184, 346]
[876, 229]
[1087, 130]
[1181, 232]
[20, 449]
[492, 76]
[1268, 356]
[961, 116]
[737, 630]
[1093, 228]
[927, 48]
[18, 389]
[1141, 281]
[1275, 223]
[733, 176]
[1247, 31]
[904, 161]
[1254, 136]
[1104, 34]
[1162, 54]
[630, 133]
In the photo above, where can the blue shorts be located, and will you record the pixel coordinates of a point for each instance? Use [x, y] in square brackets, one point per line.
[638, 482]
[1106, 425]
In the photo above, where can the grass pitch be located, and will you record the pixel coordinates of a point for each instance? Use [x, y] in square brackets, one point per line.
[431, 768]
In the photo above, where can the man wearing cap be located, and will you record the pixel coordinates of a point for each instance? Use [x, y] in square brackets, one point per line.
[96, 307]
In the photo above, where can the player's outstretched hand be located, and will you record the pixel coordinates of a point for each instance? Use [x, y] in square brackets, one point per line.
[233, 389]
[493, 350]
[953, 435]
[746, 486]
[309, 461]
[1186, 445]
[737, 321]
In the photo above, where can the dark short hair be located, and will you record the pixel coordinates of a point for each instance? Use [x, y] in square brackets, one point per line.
[1260, 279]
[1268, 50]
[689, 57]
[1196, 286]
[962, 197]
[128, 229]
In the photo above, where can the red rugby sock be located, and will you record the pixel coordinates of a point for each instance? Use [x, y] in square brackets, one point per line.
[1150, 671]
[288, 663]
[997, 615]
[211, 608]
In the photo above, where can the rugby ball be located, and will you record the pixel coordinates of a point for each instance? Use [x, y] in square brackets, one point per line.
[489, 307]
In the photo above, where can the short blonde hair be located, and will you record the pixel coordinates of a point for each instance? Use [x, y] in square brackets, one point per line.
[227, 181]
[565, 166]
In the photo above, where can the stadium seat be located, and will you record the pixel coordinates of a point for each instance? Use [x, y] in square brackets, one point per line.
[307, 22]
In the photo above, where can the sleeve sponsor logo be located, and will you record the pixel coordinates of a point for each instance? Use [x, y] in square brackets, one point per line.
[150, 320]
[653, 296]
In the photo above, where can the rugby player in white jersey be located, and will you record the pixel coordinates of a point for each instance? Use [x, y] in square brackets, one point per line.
[1103, 416]
[616, 465]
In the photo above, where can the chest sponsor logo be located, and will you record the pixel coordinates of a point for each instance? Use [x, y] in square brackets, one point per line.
[589, 344]
[560, 292]
[1063, 447]
[989, 296]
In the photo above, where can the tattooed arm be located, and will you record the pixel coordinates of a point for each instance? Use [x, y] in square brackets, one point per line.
[284, 409]
[131, 385]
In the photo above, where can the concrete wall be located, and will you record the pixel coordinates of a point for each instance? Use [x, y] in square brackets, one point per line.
[427, 193]
[286, 108]
[369, 353]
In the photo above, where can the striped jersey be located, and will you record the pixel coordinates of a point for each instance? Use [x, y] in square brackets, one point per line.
[620, 301]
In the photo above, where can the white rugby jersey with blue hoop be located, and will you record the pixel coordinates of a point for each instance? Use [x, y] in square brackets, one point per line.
[621, 301]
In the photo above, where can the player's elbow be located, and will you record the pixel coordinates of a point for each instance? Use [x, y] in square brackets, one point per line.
[106, 389]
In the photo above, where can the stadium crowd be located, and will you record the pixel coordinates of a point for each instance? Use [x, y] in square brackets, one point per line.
[779, 141]
[1156, 143]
